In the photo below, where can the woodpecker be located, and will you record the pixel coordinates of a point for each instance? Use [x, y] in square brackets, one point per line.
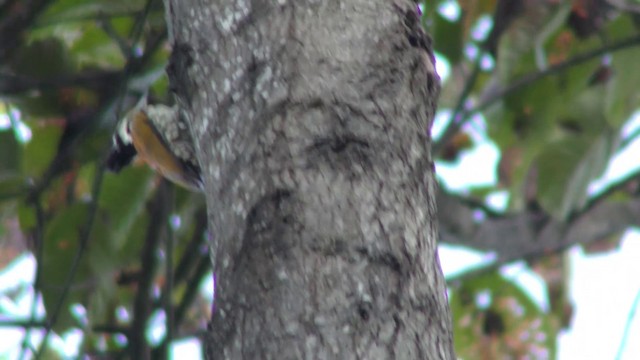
[160, 136]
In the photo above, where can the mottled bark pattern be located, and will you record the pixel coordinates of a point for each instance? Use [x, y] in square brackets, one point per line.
[311, 121]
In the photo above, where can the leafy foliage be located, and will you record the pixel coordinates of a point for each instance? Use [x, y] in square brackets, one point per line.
[493, 318]
[552, 83]
[79, 67]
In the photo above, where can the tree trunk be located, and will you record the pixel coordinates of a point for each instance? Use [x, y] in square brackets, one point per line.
[311, 120]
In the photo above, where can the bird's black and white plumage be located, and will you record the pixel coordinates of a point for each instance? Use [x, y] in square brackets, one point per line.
[160, 136]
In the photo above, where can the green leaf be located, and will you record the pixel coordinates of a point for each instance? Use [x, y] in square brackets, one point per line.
[42, 148]
[12, 186]
[27, 217]
[103, 262]
[51, 353]
[61, 247]
[566, 168]
[525, 38]
[122, 200]
[532, 112]
[623, 97]
[28, 60]
[493, 316]
[74, 10]
[448, 38]
[92, 147]
[95, 48]
[10, 153]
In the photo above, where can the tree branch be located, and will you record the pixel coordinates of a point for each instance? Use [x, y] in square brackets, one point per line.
[12, 84]
[605, 194]
[193, 249]
[458, 117]
[529, 234]
[160, 352]
[554, 69]
[18, 17]
[38, 245]
[158, 215]
[83, 240]
[461, 114]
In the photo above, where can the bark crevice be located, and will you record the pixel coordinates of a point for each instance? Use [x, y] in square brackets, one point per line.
[312, 122]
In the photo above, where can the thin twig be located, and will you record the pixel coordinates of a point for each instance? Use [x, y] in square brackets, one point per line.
[161, 351]
[203, 267]
[458, 116]
[629, 139]
[83, 241]
[555, 69]
[97, 16]
[28, 324]
[137, 345]
[192, 250]
[38, 239]
[627, 326]
[602, 196]
[168, 290]
[461, 115]
[192, 258]
[11, 84]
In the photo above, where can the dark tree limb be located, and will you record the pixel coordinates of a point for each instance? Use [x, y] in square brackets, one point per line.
[532, 234]
[159, 210]
[17, 17]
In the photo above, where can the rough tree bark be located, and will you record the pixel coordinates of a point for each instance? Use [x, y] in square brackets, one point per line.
[311, 120]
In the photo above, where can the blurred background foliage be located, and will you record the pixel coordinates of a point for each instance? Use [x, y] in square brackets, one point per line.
[555, 82]
[112, 250]
[553, 85]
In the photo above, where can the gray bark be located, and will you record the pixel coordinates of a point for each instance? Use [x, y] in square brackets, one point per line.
[532, 234]
[311, 120]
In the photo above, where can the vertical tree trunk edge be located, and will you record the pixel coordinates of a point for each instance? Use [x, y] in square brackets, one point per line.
[311, 120]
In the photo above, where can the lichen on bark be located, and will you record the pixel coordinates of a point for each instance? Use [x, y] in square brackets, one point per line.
[311, 121]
